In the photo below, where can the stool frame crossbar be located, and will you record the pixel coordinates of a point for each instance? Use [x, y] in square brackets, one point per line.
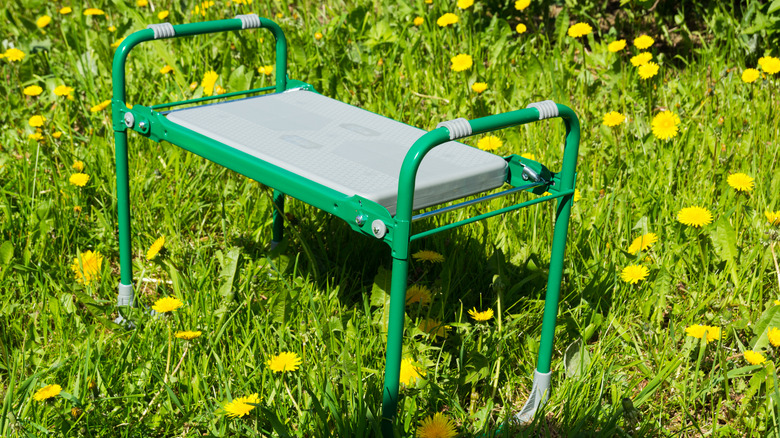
[363, 215]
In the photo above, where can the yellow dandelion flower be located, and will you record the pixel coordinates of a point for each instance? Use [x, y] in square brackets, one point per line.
[741, 182]
[750, 75]
[579, 30]
[141, 3]
[219, 90]
[479, 87]
[521, 28]
[465, 4]
[162, 15]
[112, 28]
[774, 336]
[434, 327]
[32, 90]
[37, 136]
[486, 315]
[418, 294]
[489, 143]
[209, 80]
[633, 274]
[13, 54]
[643, 41]
[642, 243]
[700, 331]
[522, 4]
[769, 64]
[436, 426]
[101, 106]
[193, 86]
[166, 69]
[284, 361]
[648, 70]
[613, 118]
[63, 91]
[318, 36]
[57, 134]
[665, 125]
[616, 46]
[754, 357]
[410, 373]
[66, 10]
[93, 11]
[428, 256]
[241, 406]
[461, 62]
[78, 166]
[447, 19]
[713, 333]
[116, 43]
[79, 179]
[696, 330]
[642, 58]
[167, 304]
[87, 266]
[773, 217]
[155, 248]
[577, 195]
[36, 121]
[427, 2]
[188, 335]
[418, 21]
[528, 155]
[43, 21]
[694, 216]
[47, 392]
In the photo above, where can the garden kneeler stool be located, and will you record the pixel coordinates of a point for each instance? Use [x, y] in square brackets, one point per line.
[364, 168]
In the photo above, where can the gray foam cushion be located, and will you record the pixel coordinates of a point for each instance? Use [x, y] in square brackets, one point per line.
[348, 149]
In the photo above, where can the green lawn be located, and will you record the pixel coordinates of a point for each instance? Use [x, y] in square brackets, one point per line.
[630, 359]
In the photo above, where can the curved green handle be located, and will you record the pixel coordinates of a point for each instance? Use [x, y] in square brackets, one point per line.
[190, 29]
[428, 141]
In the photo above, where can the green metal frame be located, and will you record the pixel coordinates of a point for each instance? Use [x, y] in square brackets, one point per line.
[152, 124]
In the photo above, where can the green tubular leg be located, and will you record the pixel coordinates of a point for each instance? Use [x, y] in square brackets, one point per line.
[402, 236]
[395, 332]
[125, 297]
[541, 388]
[278, 215]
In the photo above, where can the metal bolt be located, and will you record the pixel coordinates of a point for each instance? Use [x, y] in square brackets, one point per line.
[142, 125]
[361, 219]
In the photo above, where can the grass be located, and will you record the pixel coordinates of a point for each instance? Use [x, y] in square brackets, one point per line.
[623, 364]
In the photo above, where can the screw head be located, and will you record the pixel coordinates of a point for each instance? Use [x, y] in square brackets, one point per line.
[360, 219]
